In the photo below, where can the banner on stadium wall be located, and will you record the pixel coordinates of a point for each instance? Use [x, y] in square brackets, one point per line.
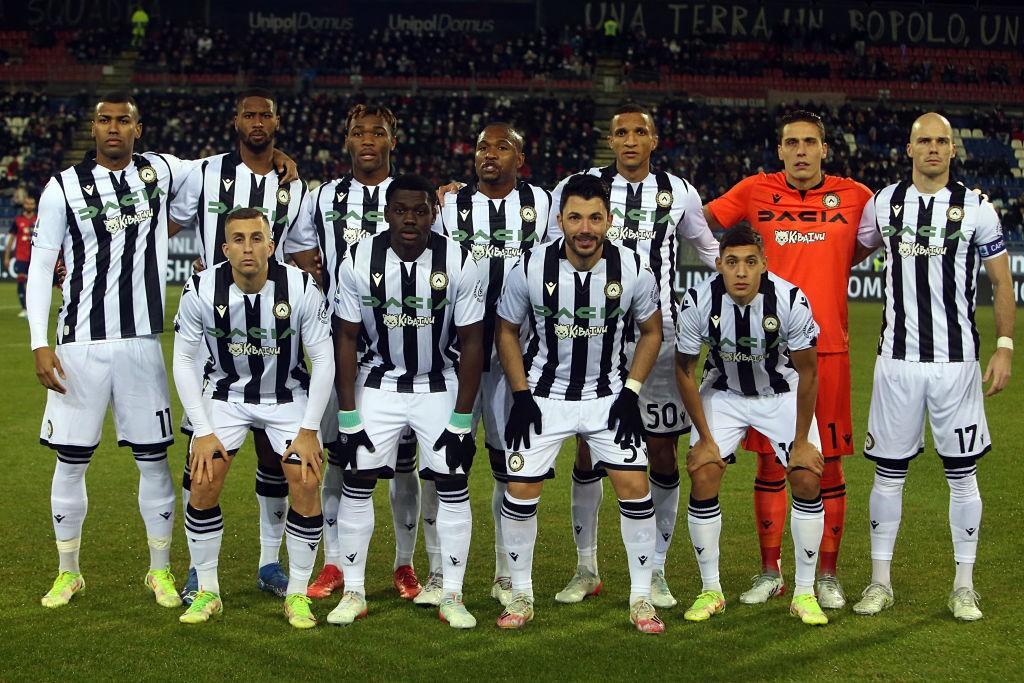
[894, 23]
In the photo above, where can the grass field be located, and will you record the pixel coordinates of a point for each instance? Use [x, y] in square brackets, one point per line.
[115, 631]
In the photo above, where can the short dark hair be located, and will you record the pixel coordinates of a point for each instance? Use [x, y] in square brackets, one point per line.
[585, 186]
[119, 97]
[372, 109]
[413, 183]
[246, 215]
[513, 133]
[634, 108]
[740, 236]
[802, 116]
[256, 92]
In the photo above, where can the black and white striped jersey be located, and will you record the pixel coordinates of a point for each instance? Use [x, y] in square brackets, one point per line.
[648, 217]
[112, 229]
[497, 232]
[335, 216]
[575, 349]
[254, 341]
[934, 245]
[408, 311]
[748, 346]
[222, 184]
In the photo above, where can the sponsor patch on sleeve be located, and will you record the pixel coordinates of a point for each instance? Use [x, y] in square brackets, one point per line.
[993, 248]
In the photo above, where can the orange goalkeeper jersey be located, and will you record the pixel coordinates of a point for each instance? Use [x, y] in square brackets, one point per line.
[809, 239]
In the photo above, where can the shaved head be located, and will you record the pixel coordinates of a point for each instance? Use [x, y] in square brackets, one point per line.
[931, 149]
[930, 120]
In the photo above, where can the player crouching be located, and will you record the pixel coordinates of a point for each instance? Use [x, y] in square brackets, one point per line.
[251, 312]
[761, 373]
[579, 295]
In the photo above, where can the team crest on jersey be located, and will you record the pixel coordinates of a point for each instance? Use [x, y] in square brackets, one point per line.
[528, 214]
[282, 309]
[613, 290]
[869, 442]
[49, 429]
[283, 196]
[438, 280]
[955, 214]
[147, 174]
[830, 200]
[770, 323]
[663, 199]
[516, 461]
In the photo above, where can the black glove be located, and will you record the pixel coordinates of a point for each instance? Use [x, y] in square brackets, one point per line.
[459, 449]
[624, 418]
[347, 446]
[525, 413]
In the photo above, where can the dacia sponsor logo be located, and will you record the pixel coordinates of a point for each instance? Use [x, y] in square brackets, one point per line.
[585, 312]
[499, 235]
[417, 302]
[922, 231]
[222, 208]
[563, 331]
[808, 216]
[640, 215]
[118, 223]
[784, 237]
[369, 216]
[143, 196]
[252, 333]
[744, 343]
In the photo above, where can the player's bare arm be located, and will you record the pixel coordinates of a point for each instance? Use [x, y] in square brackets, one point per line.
[705, 452]
[471, 364]
[647, 348]
[1000, 364]
[511, 354]
[346, 336]
[803, 454]
[309, 261]
[713, 223]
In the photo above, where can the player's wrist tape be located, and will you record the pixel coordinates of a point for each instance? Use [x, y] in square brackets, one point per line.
[460, 422]
[1005, 343]
[348, 421]
[633, 385]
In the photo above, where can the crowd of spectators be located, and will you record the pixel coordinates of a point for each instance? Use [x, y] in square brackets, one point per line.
[35, 131]
[379, 52]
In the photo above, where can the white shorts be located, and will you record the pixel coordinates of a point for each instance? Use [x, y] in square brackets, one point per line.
[491, 407]
[389, 416]
[660, 403]
[329, 425]
[951, 394]
[730, 415]
[561, 420]
[128, 374]
[232, 421]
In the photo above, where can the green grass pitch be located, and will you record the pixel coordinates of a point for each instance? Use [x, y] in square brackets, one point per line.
[114, 630]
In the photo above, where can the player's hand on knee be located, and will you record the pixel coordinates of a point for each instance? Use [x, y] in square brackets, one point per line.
[453, 186]
[205, 449]
[524, 415]
[351, 436]
[306, 452]
[806, 456]
[998, 371]
[47, 364]
[704, 452]
[624, 418]
[457, 442]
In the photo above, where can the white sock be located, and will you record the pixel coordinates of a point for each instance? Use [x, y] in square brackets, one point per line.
[302, 536]
[68, 506]
[355, 528]
[454, 531]
[964, 520]
[205, 530]
[665, 494]
[885, 507]
[428, 503]
[639, 529]
[587, 494]
[519, 529]
[404, 492]
[704, 519]
[272, 495]
[330, 502]
[156, 505]
[501, 566]
[806, 525]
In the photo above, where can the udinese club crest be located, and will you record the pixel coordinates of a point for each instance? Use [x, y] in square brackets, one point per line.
[663, 199]
[955, 214]
[613, 290]
[147, 174]
[770, 323]
[282, 309]
[830, 200]
[516, 461]
[528, 214]
[283, 196]
[438, 280]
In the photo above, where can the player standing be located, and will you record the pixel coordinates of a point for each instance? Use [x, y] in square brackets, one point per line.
[19, 244]
[498, 220]
[333, 217]
[408, 293]
[108, 216]
[649, 212]
[761, 373]
[249, 315]
[579, 296]
[936, 235]
[808, 223]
